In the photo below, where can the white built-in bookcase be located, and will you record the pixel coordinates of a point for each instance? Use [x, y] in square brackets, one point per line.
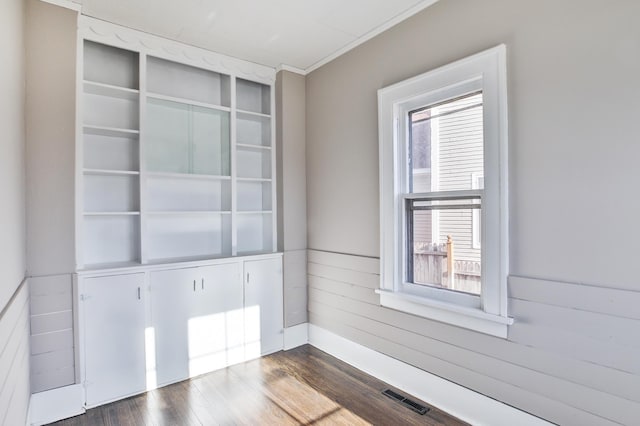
[176, 161]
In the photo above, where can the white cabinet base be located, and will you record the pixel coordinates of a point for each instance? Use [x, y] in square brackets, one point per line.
[151, 326]
[263, 302]
[113, 334]
[197, 320]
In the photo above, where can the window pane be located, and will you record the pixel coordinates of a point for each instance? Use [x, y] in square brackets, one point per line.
[446, 145]
[442, 240]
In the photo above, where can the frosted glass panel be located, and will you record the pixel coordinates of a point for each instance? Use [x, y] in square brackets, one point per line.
[167, 137]
[210, 133]
[187, 139]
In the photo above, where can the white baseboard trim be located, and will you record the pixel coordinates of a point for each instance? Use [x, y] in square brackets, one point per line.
[295, 336]
[454, 399]
[56, 404]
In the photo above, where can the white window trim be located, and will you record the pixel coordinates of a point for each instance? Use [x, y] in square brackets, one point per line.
[475, 217]
[486, 70]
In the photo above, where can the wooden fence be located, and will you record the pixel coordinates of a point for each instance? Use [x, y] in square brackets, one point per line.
[432, 262]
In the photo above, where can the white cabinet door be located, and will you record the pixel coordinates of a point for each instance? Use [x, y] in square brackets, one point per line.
[114, 337]
[263, 306]
[197, 320]
[173, 295]
[216, 323]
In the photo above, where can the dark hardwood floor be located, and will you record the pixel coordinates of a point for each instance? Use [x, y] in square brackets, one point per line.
[303, 386]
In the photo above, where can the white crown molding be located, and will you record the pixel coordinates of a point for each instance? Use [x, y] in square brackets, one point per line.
[285, 67]
[371, 34]
[67, 4]
[115, 35]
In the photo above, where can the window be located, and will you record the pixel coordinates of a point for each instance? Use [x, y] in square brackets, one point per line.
[477, 182]
[443, 228]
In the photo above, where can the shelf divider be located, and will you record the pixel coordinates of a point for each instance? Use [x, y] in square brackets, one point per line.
[109, 131]
[187, 102]
[108, 172]
[103, 89]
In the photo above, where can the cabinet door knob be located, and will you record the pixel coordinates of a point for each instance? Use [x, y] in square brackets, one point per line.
[202, 281]
[139, 296]
[194, 285]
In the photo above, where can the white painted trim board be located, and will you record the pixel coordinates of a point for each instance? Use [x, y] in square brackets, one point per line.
[67, 4]
[295, 336]
[463, 403]
[56, 404]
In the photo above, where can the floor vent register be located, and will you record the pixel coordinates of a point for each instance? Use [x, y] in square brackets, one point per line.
[412, 405]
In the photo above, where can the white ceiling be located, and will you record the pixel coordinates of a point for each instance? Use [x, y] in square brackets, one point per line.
[300, 34]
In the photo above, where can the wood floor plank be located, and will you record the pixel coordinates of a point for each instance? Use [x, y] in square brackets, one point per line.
[140, 405]
[173, 407]
[341, 382]
[322, 361]
[303, 403]
[302, 386]
[208, 413]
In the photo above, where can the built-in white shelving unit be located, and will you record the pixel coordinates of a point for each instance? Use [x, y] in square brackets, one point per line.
[110, 145]
[175, 213]
[177, 161]
[254, 167]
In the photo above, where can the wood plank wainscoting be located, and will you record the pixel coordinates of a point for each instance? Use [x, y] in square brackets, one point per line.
[14, 357]
[301, 386]
[571, 356]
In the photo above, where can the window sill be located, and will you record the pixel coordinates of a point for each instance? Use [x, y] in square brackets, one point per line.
[473, 319]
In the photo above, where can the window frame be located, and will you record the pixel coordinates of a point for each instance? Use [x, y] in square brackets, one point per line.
[476, 219]
[487, 313]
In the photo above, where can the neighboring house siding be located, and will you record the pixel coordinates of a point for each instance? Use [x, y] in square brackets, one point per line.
[459, 138]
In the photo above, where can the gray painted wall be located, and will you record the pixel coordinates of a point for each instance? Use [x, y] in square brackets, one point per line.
[14, 293]
[292, 197]
[12, 156]
[50, 110]
[572, 355]
[573, 103]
